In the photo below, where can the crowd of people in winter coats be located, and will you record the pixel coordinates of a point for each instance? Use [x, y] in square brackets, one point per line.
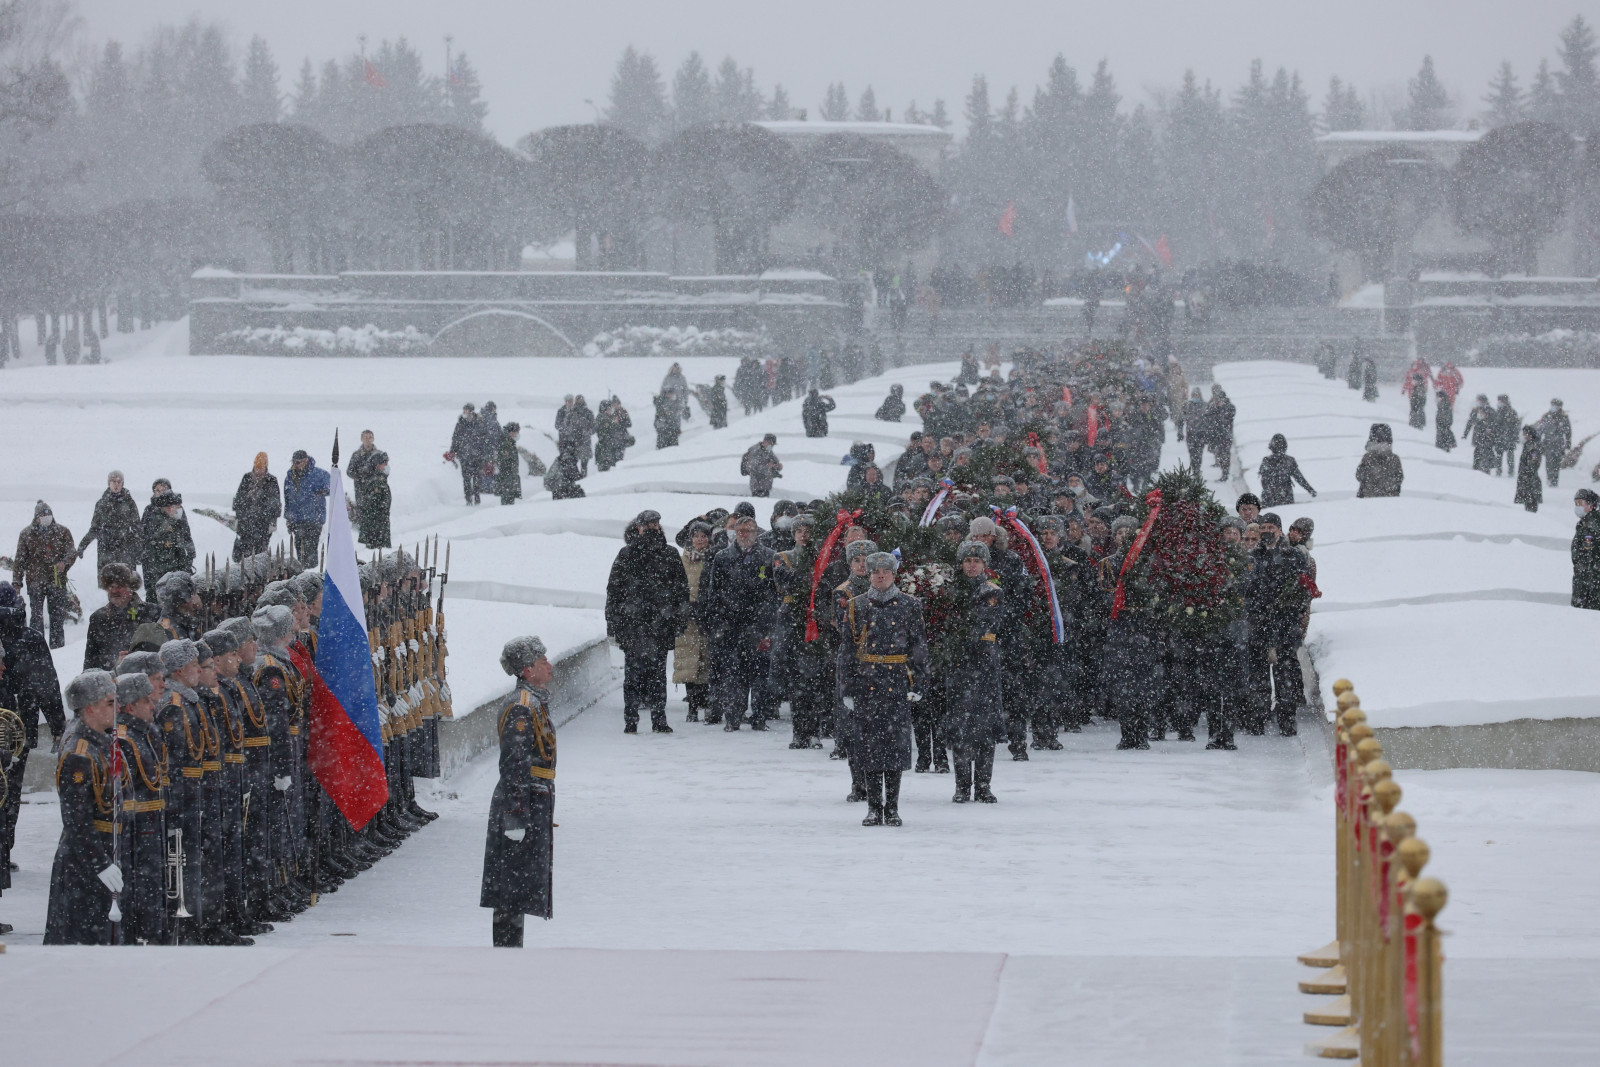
[928, 658]
[158, 540]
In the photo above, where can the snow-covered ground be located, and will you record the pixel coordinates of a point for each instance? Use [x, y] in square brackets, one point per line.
[1449, 605]
[1112, 908]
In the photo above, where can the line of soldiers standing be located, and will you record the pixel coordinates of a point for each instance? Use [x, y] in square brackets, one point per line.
[191, 810]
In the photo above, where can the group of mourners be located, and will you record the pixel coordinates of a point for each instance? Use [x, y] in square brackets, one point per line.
[191, 810]
[992, 596]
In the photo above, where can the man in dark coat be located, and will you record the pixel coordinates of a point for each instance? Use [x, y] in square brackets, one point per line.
[611, 433]
[45, 552]
[1555, 436]
[893, 408]
[1194, 421]
[357, 468]
[1484, 429]
[647, 606]
[84, 874]
[28, 686]
[814, 413]
[376, 502]
[1277, 587]
[1586, 551]
[519, 846]
[1510, 432]
[668, 420]
[714, 399]
[507, 471]
[1219, 429]
[112, 626]
[736, 607]
[1279, 472]
[168, 544]
[761, 466]
[804, 668]
[887, 672]
[1014, 637]
[968, 653]
[115, 525]
[467, 449]
[256, 507]
[1380, 471]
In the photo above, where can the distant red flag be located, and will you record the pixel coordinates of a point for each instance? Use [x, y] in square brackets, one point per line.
[1164, 251]
[1007, 217]
[374, 78]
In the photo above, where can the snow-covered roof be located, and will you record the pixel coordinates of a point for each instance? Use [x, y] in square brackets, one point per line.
[1399, 136]
[808, 128]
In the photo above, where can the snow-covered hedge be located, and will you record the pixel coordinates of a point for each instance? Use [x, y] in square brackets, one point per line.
[368, 340]
[1554, 348]
[676, 341]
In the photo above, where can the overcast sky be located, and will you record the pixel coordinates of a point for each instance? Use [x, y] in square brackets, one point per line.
[540, 60]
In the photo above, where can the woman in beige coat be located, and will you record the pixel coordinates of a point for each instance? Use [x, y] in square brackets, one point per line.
[690, 664]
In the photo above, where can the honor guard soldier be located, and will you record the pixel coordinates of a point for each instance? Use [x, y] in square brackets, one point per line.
[85, 873]
[219, 670]
[887, 672]
[280, 687]
[144, 816]
[518, 850]
[183, 726]
[179, 601]
[266, 757]
[969, 654]
[855, 584]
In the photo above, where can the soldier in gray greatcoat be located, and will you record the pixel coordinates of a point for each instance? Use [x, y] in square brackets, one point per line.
[887, 672]
[974, 721]
[517, 853]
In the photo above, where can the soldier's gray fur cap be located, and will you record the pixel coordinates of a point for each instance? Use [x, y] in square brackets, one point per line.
[520, 653]
[880, 561]
[90, 687]
[132, 688]
[202, 652]
[982, 526]
[240, 628]
[1124, 522]
[1051, 522]
[175, 588]
[970, 549]
[273, 624]
[145, 663]
[805, 518]
[177, 654]
[220, 641]
[279, 594]
[308, 584]
[856, 549]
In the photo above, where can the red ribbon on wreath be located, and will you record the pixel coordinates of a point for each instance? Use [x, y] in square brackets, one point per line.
[1153, 498]
[841, 523]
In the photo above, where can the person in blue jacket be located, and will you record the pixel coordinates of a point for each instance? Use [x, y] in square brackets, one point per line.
[305, 495]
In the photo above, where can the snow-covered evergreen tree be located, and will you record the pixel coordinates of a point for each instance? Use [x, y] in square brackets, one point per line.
[836, 104]
[260, 100]
[867, 109]
[1505, 98]
[638, 101]
[691, 94]
[1427, 102]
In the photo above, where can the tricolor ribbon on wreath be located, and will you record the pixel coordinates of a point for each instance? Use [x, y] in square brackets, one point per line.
[1008, 518]
[931, 512]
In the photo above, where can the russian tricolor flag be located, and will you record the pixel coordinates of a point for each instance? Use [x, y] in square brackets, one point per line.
[346, 748]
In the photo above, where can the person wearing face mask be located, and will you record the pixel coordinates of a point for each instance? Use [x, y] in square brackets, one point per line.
[1586, 550]
[115, 525]
[45, 552]
[168, 545]
[1277, 586]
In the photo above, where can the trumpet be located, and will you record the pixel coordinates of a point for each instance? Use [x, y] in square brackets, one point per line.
[13, 743]
[175, 860]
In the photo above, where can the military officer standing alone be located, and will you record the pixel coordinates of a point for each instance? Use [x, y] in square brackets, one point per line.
[517, 855]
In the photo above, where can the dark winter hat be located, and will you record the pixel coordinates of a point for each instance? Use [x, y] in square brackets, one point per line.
[1279, 443]
[1380, 434]
[805, 519]
[299, 454]
[1588, 495]
[856, 549]
[699, 527]
[132, 688]
[202, 652]
[177, 654]
[745, 509]
[513, 427]
[972, 550]
[1270, 518]
[220, 641]
[1003, 479]
[470, 406]
[769, 439]
[521, 653]
[1555, 401]
[90, 687]
[118, 574]
[1247, 498]
[646, 517]
[166, 499]
[41, 509]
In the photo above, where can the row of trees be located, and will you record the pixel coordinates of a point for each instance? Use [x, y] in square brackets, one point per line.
[430, 196]
[1510, 187]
